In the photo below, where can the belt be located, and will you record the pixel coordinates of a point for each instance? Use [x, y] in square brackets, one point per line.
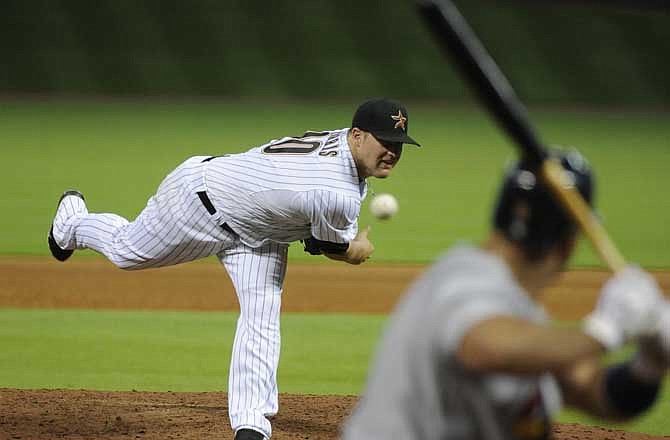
[202, 195]
[209, 206]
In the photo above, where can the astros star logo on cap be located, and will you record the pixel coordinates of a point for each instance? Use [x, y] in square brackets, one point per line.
[400, 118]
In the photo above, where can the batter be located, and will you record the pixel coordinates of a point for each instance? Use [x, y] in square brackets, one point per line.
[469, 355]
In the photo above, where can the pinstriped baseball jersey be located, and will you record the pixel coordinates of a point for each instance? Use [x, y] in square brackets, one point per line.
[244, 208]
[289, 189]
[417, 390]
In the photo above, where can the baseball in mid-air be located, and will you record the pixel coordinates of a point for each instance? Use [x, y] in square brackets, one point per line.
[384, 206]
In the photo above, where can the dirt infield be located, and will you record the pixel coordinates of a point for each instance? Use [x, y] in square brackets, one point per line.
[62, 414]
[336, 288]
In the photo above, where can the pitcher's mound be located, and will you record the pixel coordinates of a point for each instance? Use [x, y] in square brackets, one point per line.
[71, 414]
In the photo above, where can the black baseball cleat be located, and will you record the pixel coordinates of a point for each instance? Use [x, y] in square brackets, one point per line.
[249, 434]
[59, 253]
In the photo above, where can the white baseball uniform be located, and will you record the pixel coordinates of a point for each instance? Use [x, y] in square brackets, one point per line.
[245, 208]
[417, 390]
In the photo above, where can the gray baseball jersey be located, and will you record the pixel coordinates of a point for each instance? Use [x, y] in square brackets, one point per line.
[418, 390]
[244, 208]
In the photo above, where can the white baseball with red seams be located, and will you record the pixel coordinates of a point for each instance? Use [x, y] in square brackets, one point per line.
[384, 206]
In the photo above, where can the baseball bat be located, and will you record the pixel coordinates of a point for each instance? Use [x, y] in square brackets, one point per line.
[458, 40]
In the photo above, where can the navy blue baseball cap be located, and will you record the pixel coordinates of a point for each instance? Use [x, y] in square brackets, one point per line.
[386, 119]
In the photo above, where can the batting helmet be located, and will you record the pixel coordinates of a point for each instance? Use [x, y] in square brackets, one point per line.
[527, 212]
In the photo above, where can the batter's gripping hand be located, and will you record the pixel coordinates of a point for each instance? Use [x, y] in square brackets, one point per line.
[655, 349]
[627, 309]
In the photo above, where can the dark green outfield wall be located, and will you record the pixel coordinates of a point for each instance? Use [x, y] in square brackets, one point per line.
[552, 53]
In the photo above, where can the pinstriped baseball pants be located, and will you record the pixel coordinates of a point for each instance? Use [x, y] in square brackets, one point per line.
[258, 275]
[175, 228]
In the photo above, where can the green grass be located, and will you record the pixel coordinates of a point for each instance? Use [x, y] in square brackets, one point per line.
[118, 151]
[654, 422]
[176, 351]
[189, 351]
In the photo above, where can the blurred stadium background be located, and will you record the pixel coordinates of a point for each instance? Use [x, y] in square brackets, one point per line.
[145, 84]
[554, 52]
[108, 96]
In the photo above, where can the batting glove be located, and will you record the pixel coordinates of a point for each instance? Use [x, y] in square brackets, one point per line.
[627, 309]
[653, 358]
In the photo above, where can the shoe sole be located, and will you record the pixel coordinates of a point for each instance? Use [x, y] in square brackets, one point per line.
[57, 252]
[249, 434]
